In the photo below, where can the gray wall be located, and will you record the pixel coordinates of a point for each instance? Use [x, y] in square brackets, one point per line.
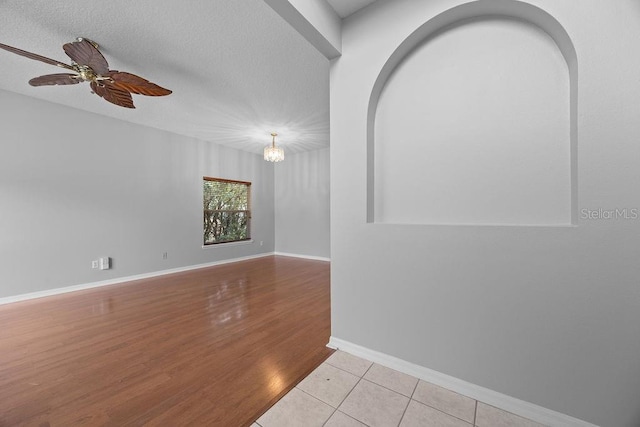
[302, 204]
[75, 186]
[549, 315]
[435, 125]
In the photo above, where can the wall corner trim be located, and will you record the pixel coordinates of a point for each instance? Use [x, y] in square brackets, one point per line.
[311, 257]
[511, 404]
[315, 21]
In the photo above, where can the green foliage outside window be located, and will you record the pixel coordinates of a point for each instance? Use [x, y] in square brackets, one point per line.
[227, 214]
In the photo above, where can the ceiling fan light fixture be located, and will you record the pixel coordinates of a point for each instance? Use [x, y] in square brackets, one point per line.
[273, 153]
[89, 65]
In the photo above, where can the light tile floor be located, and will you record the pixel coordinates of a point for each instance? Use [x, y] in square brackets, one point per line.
[347, 391]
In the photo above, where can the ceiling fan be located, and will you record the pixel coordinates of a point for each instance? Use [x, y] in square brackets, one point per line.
[88, 65]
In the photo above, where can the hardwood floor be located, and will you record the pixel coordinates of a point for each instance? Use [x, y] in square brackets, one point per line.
[209, 347]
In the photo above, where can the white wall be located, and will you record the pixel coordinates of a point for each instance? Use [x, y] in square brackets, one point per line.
[548, 315]
[75, 186]
[302, 204]
[473, 127]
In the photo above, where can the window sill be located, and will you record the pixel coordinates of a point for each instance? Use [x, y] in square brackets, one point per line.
[226, 245]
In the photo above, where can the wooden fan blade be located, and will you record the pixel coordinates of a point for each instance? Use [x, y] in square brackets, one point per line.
[35, 56]
[112, 94]
[135, 84]
[55, 79]
[84, 53]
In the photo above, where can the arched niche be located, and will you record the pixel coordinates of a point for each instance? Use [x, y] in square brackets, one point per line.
[536, 183]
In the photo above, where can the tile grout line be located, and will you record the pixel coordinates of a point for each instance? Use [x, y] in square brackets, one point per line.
[414, 389]
[368, 369]
[360, 377]
[404, 412]
[373, 382]
[387, 388]
[347, 415]
[409, 402]
[334, 411]
[508, 412]
[351, 391]
[349, 394]
[321, 401]
[426, 404]
[440, 410]
[384, 386]
[446, 413]
[342, 369]
[394, 391]
[473, 424]
[336, 408]
[475, 413]
[309, 394]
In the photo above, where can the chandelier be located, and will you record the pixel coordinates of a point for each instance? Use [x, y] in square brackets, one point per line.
[273, 153]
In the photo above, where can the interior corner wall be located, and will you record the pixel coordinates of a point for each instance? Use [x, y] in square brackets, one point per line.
[548, 315]
[75, 186]
[302, 204]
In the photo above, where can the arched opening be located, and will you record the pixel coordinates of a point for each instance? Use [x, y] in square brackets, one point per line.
[472, 121]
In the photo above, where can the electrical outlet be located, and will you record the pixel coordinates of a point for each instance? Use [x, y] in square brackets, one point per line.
[105, 263]
[261, 242]
[164, 255]
[94, 263]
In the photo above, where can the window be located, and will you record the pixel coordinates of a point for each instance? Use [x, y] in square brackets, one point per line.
[227, 210]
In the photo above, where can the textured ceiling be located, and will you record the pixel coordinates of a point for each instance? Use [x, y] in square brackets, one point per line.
[237, 70]
[345, 8]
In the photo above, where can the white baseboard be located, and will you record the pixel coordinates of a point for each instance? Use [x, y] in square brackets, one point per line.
[57, 291]
[315, 258]
[510, 404]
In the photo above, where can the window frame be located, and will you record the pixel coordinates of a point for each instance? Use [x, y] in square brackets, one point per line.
[246, 211]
